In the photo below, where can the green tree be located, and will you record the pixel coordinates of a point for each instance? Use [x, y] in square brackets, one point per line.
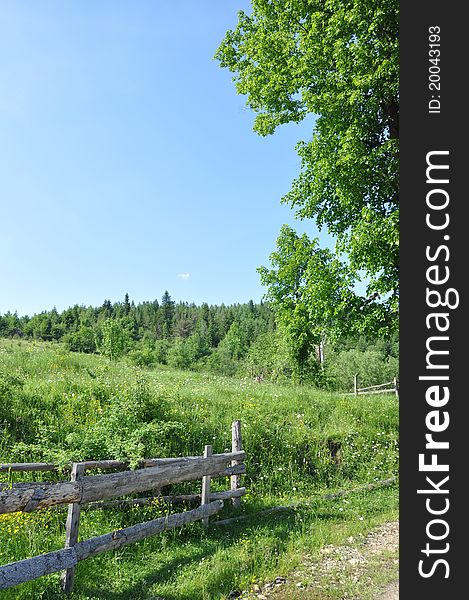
[10, 325]
[161, 350]
[126, 304]
[311, 291]
[167, 308]
[106, 309]
[233, 342]
[40, 326]
[81, 340]
[179, 355]
[116, 339]
[337, 60]
[71, 318]
[268, 357]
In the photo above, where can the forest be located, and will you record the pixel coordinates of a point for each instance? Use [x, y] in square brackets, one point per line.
[235, 340]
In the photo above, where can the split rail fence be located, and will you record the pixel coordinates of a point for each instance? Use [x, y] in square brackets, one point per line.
[96, 490]
[382, 388]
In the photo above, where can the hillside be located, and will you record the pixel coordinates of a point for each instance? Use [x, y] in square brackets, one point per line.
[301, 444]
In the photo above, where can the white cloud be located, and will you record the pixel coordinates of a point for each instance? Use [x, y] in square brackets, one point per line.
[184, 275]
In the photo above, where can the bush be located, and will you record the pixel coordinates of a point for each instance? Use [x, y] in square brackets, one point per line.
[143, 357]
[221, 362]
[161, 351]
[116, 339]
[179, 355]
[83, 340]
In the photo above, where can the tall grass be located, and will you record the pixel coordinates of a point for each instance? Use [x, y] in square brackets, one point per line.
[300, 442]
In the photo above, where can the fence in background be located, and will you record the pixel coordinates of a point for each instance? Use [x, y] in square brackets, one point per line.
[382, 388]
[96, 490]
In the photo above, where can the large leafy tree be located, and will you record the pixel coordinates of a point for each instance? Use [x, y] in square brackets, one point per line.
[312, 293]
[338, 60]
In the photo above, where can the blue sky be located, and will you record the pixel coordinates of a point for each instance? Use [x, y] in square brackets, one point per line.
[127, 161]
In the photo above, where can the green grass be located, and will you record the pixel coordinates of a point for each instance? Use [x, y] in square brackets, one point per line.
[300, 443]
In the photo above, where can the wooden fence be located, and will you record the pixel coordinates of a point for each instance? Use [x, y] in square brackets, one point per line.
[382, 388]
[93, 491]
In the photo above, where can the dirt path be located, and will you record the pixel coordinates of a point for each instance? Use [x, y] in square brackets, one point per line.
[390, 592]
[362, 569]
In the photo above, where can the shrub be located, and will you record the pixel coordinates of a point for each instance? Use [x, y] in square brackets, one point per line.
[143, 357]
[161, 351]
[83, 340]
[179, 355]
[116, 339]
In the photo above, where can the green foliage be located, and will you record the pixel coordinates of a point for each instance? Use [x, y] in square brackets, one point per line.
[198, 344]
[370, 365]
[10, 325]
[60, 406]
[339, 62]
[179, 355]
[234, 342]
[268, 356]
[82, 340]
[148, 331]
[129, 427]
[168, 307]
[221, 361]
[161, 350]
[242, 339]
[10, 388]
[46, 326]
[301, 443]
[311, 294]
[143, 357]
[116, 339]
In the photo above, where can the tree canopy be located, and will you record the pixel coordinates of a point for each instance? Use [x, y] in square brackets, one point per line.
[337, 60]
[312, 293]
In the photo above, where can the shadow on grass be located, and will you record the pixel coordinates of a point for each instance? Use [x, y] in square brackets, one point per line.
[149, 578]
[163, 567]
[280, 526]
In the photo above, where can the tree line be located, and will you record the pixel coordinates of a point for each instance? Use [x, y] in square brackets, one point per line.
[239, 339]
[181, 333]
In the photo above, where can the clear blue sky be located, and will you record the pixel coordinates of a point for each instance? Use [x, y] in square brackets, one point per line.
[127, 161]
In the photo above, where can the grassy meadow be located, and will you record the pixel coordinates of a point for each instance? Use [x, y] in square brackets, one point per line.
[301, 443]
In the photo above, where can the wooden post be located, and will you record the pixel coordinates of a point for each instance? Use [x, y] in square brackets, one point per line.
[73, 521]
[396, 386]
[236, 442]
[206, 485]
[355, 384]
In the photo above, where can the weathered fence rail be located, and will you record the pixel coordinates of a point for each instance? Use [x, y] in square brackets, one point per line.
[92, 464]
[67, 558]
[34, 496]
[177, 499]
[94, 490]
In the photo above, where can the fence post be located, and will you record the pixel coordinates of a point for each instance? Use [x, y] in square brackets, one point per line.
[206, 485]
[236, 446]
[73, 521]
[396, 386]
[355, 384]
